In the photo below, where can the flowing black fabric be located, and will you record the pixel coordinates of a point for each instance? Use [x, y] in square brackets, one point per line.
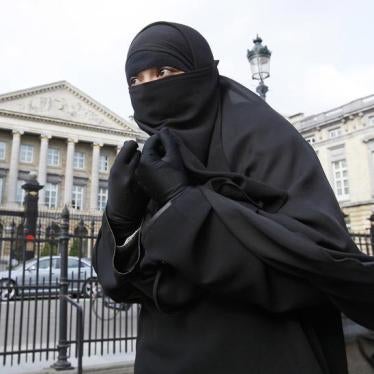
[300, 214]
[248, 269]
[269, 165]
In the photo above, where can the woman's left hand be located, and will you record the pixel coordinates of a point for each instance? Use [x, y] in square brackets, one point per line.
[160, 171]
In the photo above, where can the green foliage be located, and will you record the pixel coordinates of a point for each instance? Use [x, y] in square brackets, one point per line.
[49, 249]
[74, 249]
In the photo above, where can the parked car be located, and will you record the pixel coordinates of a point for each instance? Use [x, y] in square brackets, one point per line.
[42, 277]
[5, 263]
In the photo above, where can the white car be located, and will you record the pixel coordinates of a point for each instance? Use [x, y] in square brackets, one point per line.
[42, 277]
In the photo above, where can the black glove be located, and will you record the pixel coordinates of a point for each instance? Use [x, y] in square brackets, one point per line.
[161, 172]
[126, 200]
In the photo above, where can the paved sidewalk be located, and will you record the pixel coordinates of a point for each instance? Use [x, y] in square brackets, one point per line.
[118, 368]
[122, 363]
[108, 364]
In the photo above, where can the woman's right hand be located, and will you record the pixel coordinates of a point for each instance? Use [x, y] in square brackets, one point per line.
[126, 200]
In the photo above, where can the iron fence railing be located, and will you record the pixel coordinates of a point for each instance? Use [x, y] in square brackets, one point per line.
[50, 298]
[365, 242]
[38, 297]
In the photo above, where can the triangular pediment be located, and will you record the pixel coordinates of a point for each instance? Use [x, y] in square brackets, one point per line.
[63, 101]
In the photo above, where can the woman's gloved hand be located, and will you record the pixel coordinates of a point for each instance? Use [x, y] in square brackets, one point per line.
[126, 200]
[161, 172]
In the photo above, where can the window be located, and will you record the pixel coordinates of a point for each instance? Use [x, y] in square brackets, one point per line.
[26, 153]
[43, 264]
[2, 150]
[77, 197]
[1, 189]
[333, 133]
[104, 163]
[20, 192]
[53, 157]
[102, 198]
[340, 178]
[371, 120]
[78, 160]
[75, 263]
[51, 195]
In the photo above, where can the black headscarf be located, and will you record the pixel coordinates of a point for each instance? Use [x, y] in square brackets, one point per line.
[260, 176]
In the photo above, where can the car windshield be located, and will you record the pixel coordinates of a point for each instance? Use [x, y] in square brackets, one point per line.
[72, 262]
[43, 263]
[27, 263]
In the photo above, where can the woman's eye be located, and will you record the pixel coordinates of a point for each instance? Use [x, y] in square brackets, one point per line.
[165, 71]
[134, 81]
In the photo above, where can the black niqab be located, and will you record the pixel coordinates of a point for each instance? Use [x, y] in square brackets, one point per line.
[187, 103]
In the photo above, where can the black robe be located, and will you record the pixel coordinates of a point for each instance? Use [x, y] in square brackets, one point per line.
[248, 270]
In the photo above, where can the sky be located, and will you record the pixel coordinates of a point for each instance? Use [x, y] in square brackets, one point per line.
[322, 53]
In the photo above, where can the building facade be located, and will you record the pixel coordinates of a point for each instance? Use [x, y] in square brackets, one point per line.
[343, 139]
[67, 138]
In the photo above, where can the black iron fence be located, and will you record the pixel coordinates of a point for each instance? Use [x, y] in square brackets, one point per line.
[365, 242]
[52, 307]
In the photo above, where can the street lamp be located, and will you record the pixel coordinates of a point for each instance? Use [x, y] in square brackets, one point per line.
[259, 60]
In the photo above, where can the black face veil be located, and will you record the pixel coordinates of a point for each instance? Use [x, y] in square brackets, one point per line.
[187, 103]
[249, 166]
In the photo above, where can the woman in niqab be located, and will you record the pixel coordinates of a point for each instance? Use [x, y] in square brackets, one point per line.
[224, 228]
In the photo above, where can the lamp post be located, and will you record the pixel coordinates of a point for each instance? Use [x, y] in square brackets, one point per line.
[31, 188]
[259, 60]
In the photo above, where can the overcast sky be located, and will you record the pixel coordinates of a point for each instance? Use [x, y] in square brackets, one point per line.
[322, 51]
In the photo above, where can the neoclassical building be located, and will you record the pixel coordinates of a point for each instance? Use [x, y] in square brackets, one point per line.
[70, 141]
[343, 139]
[67, 138]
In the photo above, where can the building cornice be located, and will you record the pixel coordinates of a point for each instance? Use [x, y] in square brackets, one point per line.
[350, 204]
[338, 114]
[61, 122]
[343, 138]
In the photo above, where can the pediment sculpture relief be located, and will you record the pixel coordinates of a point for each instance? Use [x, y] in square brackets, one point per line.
[60, 107]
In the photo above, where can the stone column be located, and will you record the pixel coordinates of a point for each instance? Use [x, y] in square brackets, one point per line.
[95, 174]
[13, 167]
[69, 170]
[42, 172]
